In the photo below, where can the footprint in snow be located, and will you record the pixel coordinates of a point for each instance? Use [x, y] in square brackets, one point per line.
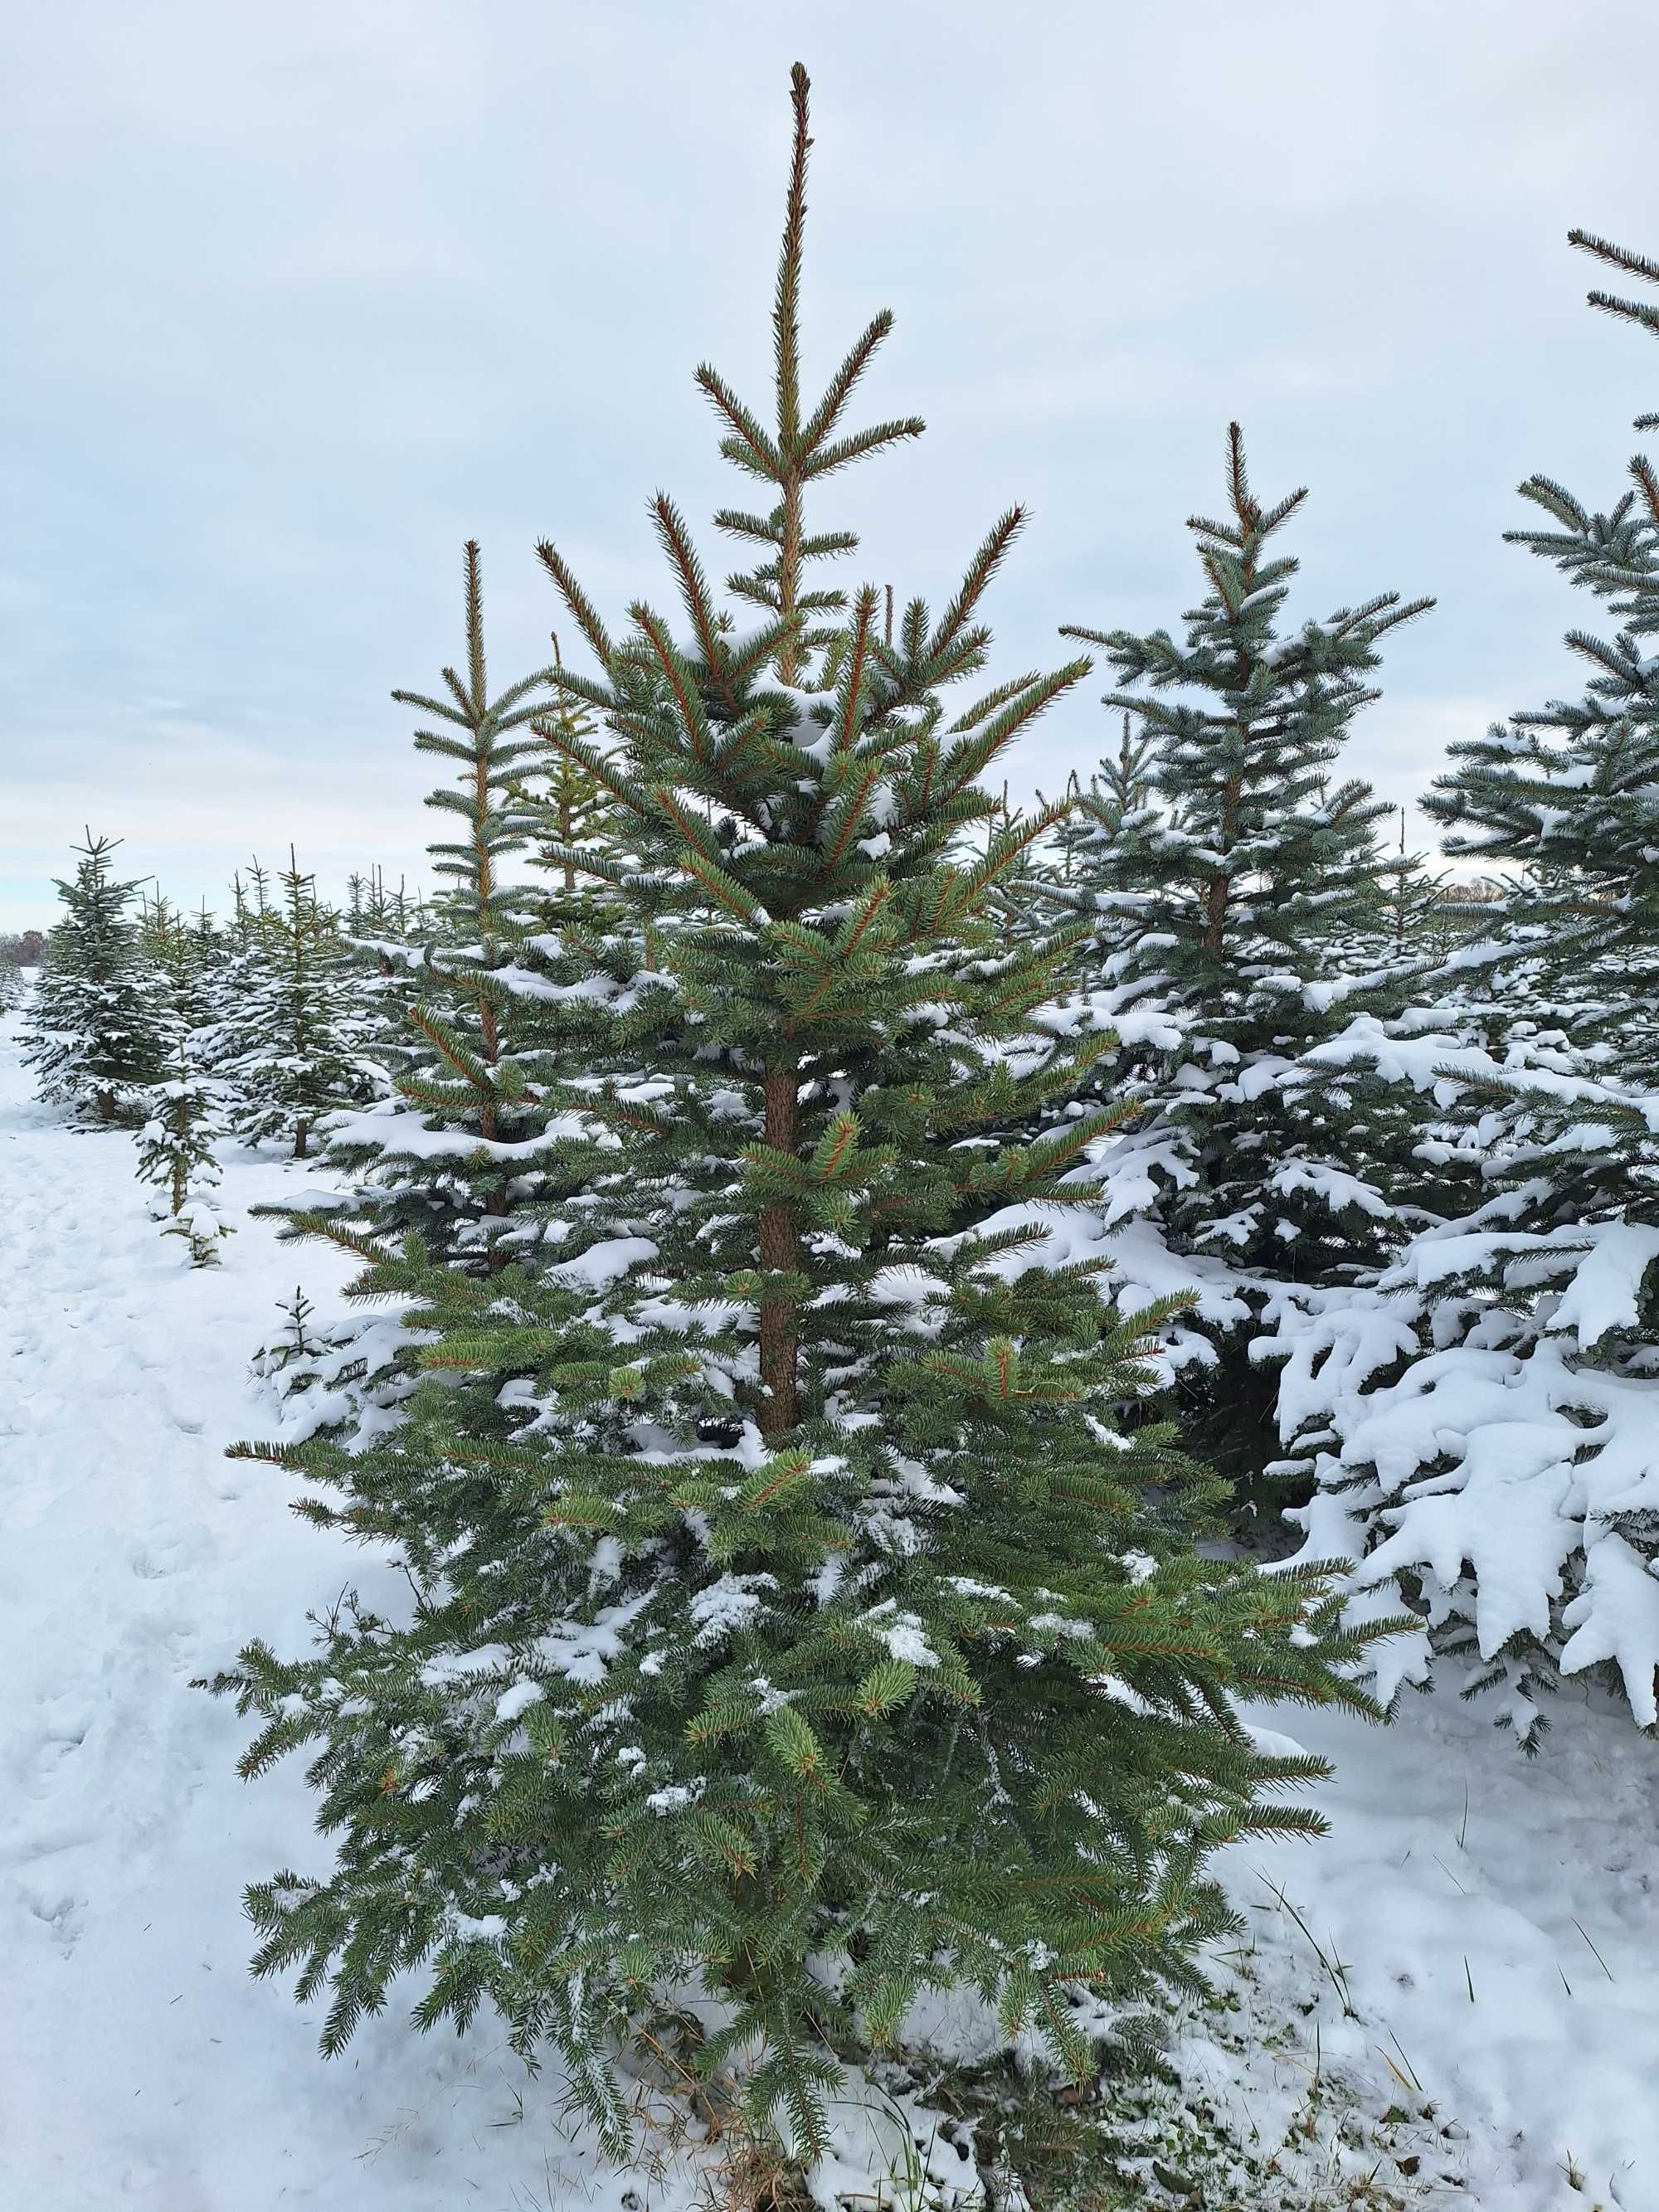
[41, 1757]
[59, 1914]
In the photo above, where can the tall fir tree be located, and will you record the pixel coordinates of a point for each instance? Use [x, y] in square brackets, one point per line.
[1422, 916]
[1244, 1171]
[1482, 1426]
[212, 946]
[794, 1623]
[233, 963]
[97, 1029]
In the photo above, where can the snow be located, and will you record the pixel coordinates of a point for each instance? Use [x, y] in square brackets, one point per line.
[1604, 1291]
[512, 1703]
[900, 1631]
[1452, 1864]
[1516, 1466]
[729, 1606]
[141, 2065]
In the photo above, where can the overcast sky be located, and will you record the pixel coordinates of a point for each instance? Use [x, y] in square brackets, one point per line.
[298, 297]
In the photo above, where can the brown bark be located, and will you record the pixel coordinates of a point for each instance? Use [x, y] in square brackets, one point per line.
[489, 1126]
[1215, 904]
[779, 1339]
[1215, 915]
[497, 1203]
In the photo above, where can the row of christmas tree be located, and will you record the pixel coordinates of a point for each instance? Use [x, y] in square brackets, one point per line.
[801, 1246]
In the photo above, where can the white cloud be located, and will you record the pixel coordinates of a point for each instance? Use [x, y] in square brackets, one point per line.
[308, 295]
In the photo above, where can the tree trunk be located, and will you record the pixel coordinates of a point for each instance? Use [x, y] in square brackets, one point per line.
[778, 1339]
[497, 1205]
[1220, 888]
[489, 1030]
[1215, 915]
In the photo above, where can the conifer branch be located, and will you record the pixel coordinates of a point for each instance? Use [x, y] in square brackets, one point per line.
[581, 608]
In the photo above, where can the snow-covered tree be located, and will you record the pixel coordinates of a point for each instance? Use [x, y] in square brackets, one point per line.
[797, 1631]
[97, 1029]
[444, 1155]
[1422, 917]
[290, 1045]
[469, 1149]
[1483, 1425]
[186, 955]
[1214, 886]
[241, 962]
[175, 1154]
[1086, 863]
[565, 808]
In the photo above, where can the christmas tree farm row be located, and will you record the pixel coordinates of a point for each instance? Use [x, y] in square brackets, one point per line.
[837, 1252]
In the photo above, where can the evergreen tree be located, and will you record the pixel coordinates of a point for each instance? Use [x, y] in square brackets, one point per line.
[1121, 793]
[232, 965]
[1483, 1425]
[212, 996]
[386, 931]
[297, 1344]
[793, 1621]
[568, 810]
[375, 912]
[1213, 960]
[1098, 865]
[212, 946]
[1423, 917]
[96, 1032]
[460, 1144]
[183, 956]
[175, 1153]
[291, 1046]
[469, 1151]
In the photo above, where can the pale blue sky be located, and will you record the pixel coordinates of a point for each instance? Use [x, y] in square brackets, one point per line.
[298, 297]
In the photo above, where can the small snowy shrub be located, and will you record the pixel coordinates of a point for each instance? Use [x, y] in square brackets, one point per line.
[175, 1154]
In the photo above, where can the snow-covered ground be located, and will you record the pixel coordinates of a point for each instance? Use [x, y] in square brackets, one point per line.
[1491, 1925]
[1494, 1921]
[139, 2063]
